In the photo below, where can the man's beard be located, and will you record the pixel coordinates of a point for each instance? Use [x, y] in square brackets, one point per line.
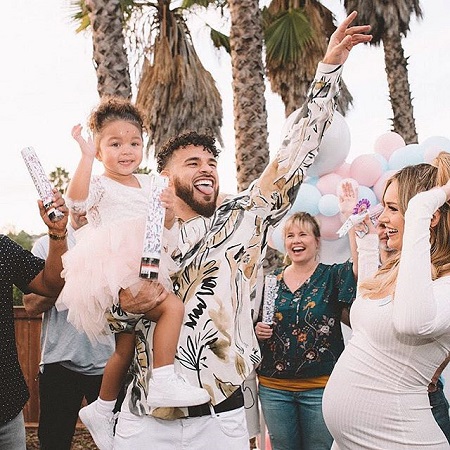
[186, 193]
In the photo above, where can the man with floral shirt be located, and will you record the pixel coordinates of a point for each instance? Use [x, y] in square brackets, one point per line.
[217, 347]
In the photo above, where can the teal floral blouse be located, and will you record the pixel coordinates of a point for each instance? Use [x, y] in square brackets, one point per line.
[307, 338]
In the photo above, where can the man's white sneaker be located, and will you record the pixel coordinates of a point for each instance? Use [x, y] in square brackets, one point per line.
[99, 425]
[175, 391]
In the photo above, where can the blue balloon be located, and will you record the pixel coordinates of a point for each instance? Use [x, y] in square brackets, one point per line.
[307, 200]
[440, 142]
[329, 205]
[383, 161]
[409, 155]
[311, 180]
[366, 192]
[277, 238]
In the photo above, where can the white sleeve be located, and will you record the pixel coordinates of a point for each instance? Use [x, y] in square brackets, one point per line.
[368, 256]
[96, 190]
[421, 306]
[40, 247]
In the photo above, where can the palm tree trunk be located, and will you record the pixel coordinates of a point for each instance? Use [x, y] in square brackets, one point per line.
[250, 114]
[399, 89]
[110, 56]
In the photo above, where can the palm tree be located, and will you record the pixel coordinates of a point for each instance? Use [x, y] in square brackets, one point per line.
[249, 105]
[296, 34]
[110, 58]
[60, 179]
[390, 22]
[174, 89]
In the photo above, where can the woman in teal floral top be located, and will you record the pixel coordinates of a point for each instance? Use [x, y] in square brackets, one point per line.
[301, 347]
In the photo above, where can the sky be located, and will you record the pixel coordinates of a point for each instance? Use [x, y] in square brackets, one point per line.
[48, 84]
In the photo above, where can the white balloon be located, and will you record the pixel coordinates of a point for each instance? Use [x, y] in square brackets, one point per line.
[334, 147]
[328, 205]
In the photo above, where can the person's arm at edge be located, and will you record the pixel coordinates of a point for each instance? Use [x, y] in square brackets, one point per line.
[37, 304]
[49, 282]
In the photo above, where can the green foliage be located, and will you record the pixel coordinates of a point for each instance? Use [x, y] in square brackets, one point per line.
[220, 40]
[286, 35]
[143, 170]
[23, 239]
[17, 296]
[26, 241]
[203, 3]
[60, 179]
[80, 14]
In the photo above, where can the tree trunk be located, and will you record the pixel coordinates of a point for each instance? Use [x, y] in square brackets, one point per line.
[399, 89]
[250, 114]
[110, 56]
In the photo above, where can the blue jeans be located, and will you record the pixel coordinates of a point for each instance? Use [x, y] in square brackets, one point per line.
[439, 408]
[12, 434]
[294, 419]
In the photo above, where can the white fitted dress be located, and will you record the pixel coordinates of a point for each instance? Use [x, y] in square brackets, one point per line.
[376, 397]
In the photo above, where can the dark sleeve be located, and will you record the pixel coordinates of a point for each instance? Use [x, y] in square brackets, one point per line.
[19, 266]
[344, 282]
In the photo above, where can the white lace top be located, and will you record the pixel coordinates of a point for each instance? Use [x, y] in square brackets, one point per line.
[110, 201]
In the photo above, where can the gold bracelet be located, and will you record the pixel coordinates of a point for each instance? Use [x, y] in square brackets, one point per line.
[57, 237]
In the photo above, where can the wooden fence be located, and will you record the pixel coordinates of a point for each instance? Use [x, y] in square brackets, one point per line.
[28, 331]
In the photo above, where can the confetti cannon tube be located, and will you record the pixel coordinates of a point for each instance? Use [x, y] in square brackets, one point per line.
[270, 295]
[41, 182]
[154, 227]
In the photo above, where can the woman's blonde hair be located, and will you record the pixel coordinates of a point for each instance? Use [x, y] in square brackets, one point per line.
[301, 219]
[410, 181]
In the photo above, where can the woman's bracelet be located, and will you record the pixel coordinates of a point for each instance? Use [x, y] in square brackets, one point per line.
[57, 237]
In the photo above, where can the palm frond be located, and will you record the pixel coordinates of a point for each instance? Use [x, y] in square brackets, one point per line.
[175, 91]
[220, 40]
[186, 4]
[287, 36]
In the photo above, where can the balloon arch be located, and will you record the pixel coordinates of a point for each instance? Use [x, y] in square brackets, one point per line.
[318, 195]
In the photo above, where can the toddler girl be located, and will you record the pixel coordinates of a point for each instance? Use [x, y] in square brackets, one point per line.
[107, 258]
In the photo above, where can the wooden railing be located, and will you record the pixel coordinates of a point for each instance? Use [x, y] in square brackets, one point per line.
[28, 331]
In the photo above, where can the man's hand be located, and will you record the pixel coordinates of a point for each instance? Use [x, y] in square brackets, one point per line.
[344, 39]
[58, 227]
[142, 297]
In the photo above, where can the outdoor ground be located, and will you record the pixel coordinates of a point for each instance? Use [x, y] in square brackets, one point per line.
[81, 441]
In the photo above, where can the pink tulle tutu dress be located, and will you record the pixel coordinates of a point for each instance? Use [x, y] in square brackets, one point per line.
[108, 252]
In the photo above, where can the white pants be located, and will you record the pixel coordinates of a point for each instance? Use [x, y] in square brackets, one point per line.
[223, 431]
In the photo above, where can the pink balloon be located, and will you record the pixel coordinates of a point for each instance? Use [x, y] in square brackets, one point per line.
[366, 169]
[329, 226]
[343, 170]
[387, 143]
[378, 187]
[327, 183]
